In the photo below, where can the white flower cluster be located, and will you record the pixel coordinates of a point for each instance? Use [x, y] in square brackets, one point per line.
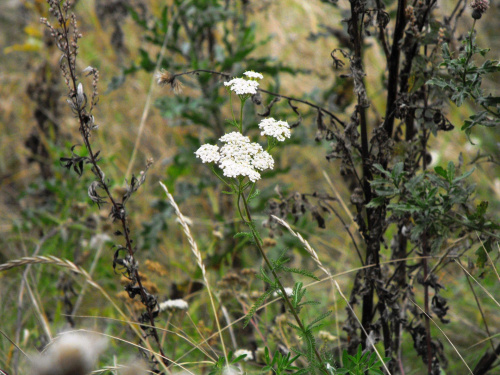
[275, 128]
[208, 153]
[288, 291]
[251, 74]
[242, 86]
[173, 304]
[249, 354]
[237, 157]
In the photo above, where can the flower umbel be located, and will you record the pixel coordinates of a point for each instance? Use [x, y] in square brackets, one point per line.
[274, 128]
[242, 86]
[237, 157]
[173, 304]
[208, 153]
[240, 157]
[253, 75]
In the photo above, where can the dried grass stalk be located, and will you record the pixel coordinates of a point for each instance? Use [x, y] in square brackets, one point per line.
[199, 259]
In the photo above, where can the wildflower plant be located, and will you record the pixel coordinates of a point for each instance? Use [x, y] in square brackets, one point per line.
[240, 160]
[402, 210]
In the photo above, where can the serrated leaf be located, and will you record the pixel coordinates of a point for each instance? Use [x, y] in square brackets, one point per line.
[243, 234]
[299, 272]
[319, 318]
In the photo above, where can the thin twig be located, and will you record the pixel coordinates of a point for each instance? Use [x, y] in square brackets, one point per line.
[480, 310]
[444, 334]
[226, 75]
[477, 282]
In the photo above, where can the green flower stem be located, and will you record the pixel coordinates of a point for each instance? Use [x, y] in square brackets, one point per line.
[231, 105]
[276, 278]
[221, 178]
[239, 209]
[243, 100]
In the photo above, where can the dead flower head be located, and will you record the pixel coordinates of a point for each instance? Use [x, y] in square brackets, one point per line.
[73, 353]
[164, 78]
[479, 7]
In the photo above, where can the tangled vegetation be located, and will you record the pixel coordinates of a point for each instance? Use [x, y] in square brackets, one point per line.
[299, 221]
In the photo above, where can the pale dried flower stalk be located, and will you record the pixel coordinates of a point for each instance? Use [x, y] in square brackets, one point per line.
[73, 267]
[46, 260]
[199, 259]
[187, 232]
[308, 247]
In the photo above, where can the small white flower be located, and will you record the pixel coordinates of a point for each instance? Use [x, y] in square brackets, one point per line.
[288, 291]
[237, 157]
[240, 157]
[234, 169]
[239, 352]
[234, 137]
[173, 304]
[276, 129]
[262, 161]
[208, 153]
[252, 74]
[242, 86]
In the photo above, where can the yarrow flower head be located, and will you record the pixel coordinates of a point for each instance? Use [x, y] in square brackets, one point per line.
[173, 304]
[253, 75]
[242, 86]
[208, 153]
[237, 157]
[74, 353]
[479, 7]
[240, 157]
[274, 128]
[288, 291]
